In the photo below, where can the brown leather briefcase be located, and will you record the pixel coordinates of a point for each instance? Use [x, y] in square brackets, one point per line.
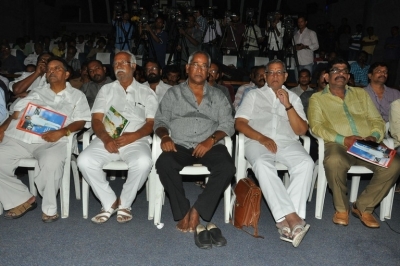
[246, 210]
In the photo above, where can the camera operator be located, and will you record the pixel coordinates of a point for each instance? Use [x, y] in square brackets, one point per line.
[275, 32]
[124, 31]
[158, 40]
[211, 37]
[252, 39]
[193, 38]
[201, 22]
[234, 31]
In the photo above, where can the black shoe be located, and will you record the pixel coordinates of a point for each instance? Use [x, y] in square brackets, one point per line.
[202, 237]
[217, 238]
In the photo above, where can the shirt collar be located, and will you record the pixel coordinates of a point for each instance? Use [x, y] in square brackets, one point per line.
[326, 89]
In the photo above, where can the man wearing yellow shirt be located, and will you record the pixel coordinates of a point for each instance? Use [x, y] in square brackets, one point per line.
[340, 115]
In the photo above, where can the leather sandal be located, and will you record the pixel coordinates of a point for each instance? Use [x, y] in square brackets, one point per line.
[124, 215]
[49, 219]
[20, 210]
[104, 216]
[298, 237]
[285, 233]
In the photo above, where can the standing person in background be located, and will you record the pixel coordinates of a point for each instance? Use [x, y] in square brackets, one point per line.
[124, 32]
[392, 56]
[355, 43]
[306, 42]
[369, 43]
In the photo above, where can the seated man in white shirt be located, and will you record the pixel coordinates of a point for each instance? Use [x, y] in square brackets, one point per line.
[32, 58]
[304, 82]
[49, 149]
[272, 118]
[153, 74]
[138, 104]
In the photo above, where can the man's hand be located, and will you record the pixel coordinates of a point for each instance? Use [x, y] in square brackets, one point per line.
[110, 145]
[41, 67]
[370, 138]
[283, 97]
[203, 147]
[167, 144]
[53, 135]
[126, 138]
[268, 143]
[348, 141]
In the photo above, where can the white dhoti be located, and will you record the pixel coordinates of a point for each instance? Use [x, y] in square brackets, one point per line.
[138, 157]
[280, 200]
[48, 175]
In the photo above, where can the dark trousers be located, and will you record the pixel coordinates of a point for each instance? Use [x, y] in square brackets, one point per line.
[221, 167]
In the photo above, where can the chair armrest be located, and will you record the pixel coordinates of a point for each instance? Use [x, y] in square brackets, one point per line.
[87, 136]
[306, 143]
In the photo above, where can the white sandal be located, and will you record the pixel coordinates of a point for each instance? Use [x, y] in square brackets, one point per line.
[124, 215]
[103, 216]
[299, 236]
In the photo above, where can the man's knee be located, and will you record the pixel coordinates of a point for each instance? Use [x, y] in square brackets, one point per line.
[143, 163]
[336, 158]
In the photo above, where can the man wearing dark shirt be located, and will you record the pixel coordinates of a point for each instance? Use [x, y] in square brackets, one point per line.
[192, 134]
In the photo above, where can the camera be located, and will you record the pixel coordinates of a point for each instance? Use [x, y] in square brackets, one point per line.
[249, 13]
[288, 23]
[144, 19]
[271, 17]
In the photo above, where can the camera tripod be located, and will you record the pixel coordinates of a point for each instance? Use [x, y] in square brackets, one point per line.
[279, 52]
[148, 45]
[249, 34]
[223, 39]
[210, 47]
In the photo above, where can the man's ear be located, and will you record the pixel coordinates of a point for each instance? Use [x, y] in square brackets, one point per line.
[67, 74]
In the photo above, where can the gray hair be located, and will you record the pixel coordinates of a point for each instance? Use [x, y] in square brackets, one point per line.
[200, 52]
[133, 58]
[276, 61]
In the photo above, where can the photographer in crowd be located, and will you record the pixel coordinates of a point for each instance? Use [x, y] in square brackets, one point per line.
[274, 33]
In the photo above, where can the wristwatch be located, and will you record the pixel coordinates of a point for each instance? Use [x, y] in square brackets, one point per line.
[68, 132]
[214, 138]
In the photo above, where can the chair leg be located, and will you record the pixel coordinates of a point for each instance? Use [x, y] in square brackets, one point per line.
[85, 198]
[321, 190]
[314, 178]
[159, 195]
[1, 208]
[65, 190]
[386, 205]
[32, 187]
[150, 187]
[355, 183]
[75, 174]
[113, 174]
[227, 203]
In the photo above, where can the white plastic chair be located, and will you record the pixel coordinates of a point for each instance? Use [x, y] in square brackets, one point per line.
[115, 166]
[32, 163]
[356, 171]
[156, 189]
[104, 58]
[229, 60]
[261, 61]
[242, 164]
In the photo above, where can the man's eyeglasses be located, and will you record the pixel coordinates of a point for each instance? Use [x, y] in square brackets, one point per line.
[278, 73]
[338, 70]
[198, 66]
[122, 63]
[384, 72]
[54, 69]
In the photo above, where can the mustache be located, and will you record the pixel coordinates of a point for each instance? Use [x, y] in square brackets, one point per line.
[120, 70]
[340, 77]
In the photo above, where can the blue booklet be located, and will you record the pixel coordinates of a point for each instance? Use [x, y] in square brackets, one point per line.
[372, 152]
[38, 120]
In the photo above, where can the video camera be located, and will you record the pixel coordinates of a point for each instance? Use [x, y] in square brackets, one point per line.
[288, 23]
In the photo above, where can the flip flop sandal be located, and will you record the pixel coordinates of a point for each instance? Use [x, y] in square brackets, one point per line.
[49, 219]
[284, 234]
[124, 215]
[103, 216]
[20, 210]
[300, 235]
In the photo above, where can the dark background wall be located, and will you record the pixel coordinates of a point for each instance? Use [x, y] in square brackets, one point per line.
[42, 17]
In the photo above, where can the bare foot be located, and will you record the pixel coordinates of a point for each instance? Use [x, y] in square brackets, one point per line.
[283, 228]
[293, 219]
[183, 225]
[194, 219]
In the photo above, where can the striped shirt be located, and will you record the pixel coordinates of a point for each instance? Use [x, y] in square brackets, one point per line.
[240, 94]
[190, 123]
[355, 42]
[333, 119]
[383, 105]
[360, 74]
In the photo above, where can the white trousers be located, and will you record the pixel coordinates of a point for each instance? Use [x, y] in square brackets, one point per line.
[300, 165]
[48, 176]
[138, 157]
